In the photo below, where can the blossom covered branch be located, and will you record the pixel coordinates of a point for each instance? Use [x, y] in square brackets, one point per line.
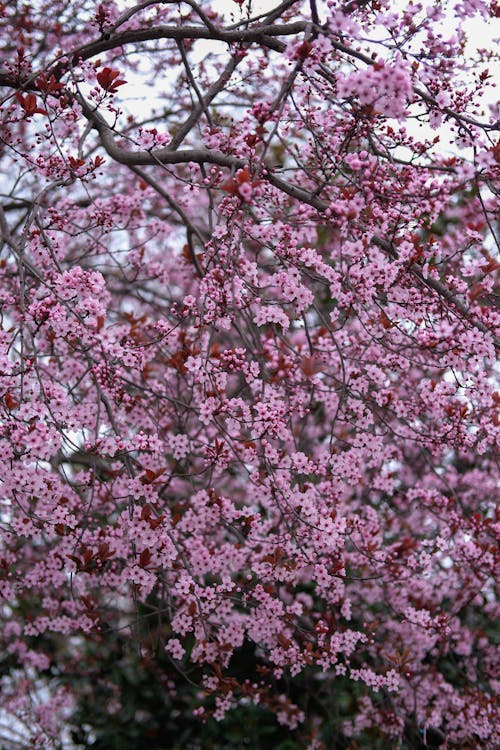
[248, 330]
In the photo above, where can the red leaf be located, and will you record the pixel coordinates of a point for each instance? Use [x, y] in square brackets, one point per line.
[104, 551]
[230, 186]
[75, 163]
[283, 640]
[146, 512]
[76, 560]
[243, 175]
[48, 85]
[476, 292]
[386, 322]
[108, 79]
[304, 50]
[10, 402]
[309, 365]
[144, 558]
[149, 475]
[29, 104]
[155, 522]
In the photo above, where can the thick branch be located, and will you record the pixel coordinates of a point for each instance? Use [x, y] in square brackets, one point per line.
[265, 35]
[202, 106]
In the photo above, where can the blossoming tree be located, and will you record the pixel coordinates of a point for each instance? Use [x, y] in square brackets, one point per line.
[247, 347]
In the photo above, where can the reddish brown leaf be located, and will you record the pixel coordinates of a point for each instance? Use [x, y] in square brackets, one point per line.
[108, 79]
[145, 558]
